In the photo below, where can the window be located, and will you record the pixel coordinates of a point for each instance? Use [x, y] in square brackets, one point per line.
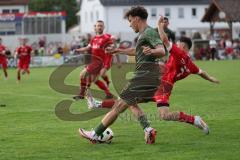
[86, 17]
[167, 12]
[91, 14]
[5, 11]
[15, 10]
[40, 25]
[194, 12]
[180, 13]
[153, 12]
[97, 15]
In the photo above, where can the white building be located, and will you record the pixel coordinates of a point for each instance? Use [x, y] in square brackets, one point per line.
[13, 6]
[184, 15]
[16, 20]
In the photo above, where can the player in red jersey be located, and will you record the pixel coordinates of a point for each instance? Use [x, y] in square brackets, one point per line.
[24, 57]
[3, 59]
[91, 72]
[107, 62]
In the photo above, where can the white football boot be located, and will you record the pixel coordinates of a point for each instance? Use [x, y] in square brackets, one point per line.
[92, 103]
[89, 135]
[198, 122]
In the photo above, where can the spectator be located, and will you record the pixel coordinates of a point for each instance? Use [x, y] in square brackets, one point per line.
[213, 48]
[170, 33]
[229, 49]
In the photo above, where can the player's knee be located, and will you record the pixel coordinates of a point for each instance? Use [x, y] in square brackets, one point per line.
[163, 116]
[119, 107]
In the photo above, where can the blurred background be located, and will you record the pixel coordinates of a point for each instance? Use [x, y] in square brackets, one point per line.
[55, 28]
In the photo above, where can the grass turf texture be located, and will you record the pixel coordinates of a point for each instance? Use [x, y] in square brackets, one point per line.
[29, 129]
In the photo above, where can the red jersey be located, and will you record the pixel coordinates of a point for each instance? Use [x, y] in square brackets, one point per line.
[24, 52]
[179, 65]
[2, 50]
[98, 45]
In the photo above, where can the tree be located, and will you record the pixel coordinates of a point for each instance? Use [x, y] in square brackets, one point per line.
[69, 6]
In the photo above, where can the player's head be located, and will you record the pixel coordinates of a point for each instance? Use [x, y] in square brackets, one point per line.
[135, 16]
[23, 40]
[185, 43]
[166, 22]
[0, 40]
[99, 27]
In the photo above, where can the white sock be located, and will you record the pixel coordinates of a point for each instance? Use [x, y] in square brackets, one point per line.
[148, 129]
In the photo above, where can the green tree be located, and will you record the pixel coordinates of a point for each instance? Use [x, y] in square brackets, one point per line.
[69, 6]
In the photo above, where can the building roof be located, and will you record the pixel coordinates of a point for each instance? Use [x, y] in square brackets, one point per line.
[230, 9]
[13, 2]
[152, 2]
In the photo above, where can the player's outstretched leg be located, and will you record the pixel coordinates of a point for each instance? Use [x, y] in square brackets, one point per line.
[197, 121]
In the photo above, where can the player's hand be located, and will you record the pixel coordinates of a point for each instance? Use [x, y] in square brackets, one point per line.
[147, 50]
[161, 22]
[110, 49]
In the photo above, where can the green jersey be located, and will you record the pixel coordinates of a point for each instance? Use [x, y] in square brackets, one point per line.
[151, 39]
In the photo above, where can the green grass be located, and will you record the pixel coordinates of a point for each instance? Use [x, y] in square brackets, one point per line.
[30, 130]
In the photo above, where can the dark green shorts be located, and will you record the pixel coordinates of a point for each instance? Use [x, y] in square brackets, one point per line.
[141, 88]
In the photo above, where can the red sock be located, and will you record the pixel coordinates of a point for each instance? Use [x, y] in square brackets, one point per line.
[28, 71]
[18, 75]
[108, 103]
[83, 86]
[102, 86]
[106, 79]
[5, 72]
[183, 117]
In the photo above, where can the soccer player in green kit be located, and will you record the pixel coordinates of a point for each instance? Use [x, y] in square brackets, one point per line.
[143, 85]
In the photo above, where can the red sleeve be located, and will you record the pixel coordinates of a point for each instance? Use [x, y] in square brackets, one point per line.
[4, 48]
[18, 50]
[107, 41]
[192, 67]
[90, 44]
[29, 49]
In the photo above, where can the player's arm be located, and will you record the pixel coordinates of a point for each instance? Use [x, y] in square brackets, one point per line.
[158, 51]
[161, 32]
[206, 76]
[83, 49]
[16, 54]
[125, 51]
[3, 51]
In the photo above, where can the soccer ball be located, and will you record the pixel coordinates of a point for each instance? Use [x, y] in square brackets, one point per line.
[106, 136]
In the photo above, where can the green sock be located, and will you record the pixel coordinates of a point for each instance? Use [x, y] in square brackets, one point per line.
[143, 121]
[100, 129]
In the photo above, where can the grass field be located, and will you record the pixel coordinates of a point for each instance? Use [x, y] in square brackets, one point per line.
[30, 130]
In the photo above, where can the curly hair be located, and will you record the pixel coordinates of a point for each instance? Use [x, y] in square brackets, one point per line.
[138, 11]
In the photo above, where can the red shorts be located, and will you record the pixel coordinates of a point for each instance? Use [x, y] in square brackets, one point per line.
[23, 63]
[95, 66]
[3, 63]
[161, 96]
[107, 62]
